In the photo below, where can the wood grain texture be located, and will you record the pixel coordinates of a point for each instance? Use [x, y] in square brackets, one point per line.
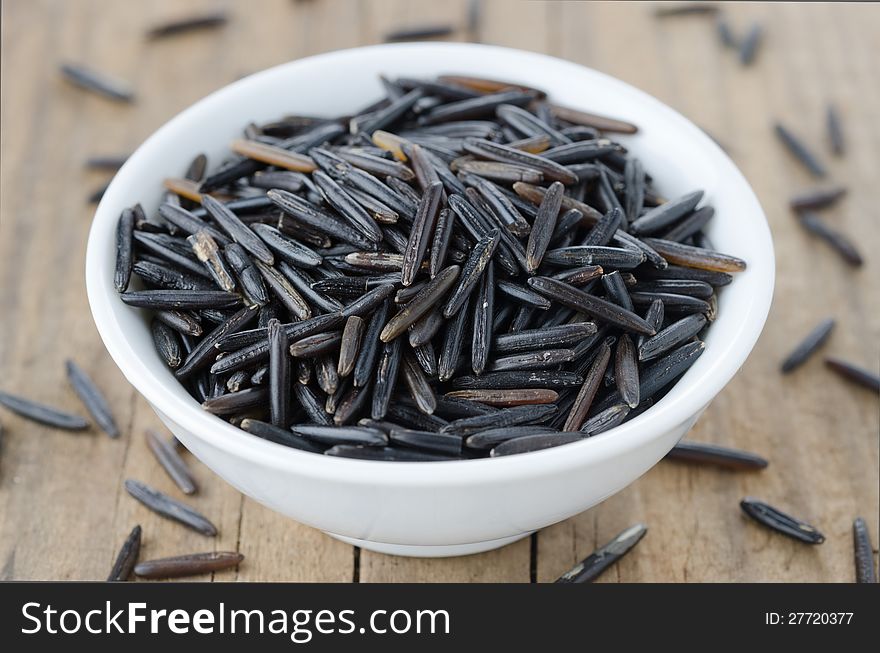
[819, 433]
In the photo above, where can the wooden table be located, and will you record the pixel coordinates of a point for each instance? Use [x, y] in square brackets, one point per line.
[63, 512]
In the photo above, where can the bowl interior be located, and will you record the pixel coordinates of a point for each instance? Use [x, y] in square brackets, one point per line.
[675, 152]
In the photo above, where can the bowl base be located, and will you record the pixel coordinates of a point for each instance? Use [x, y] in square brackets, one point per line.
[430, 550]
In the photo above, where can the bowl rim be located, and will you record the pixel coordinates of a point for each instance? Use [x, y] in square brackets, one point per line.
[176, 405]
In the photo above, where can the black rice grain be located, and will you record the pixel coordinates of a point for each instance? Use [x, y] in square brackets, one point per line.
[799, 151]
[43, 414]
[858, 375]
[92, 398]
[711, 454]
[808, 346]
[748, 48]
[191, 564]
[188, 24]
[170, 508]
[626, 370]
[781, 522]
[171, 462]
[816, 198]
[386, 377]
[597, 562]
[835, 131]
[124, 258]
[863, 553]
[537, 442]
[279, 435]
[836, 240]
[98, 83]
[127, 556]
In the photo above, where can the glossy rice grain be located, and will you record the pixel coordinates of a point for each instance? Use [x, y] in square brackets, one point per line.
[505, 154]
[860, 376]
[170, 508]
[167, 343]
[279, 435]
[43, 414]
[417, 384]
[626, 370]
[799, 151]
[696, 257]
[184, 322]
[587, 119]
[201, 355]
[590, 386]
[421, 303]
[489, 438]
[863, 553]
[840, 243]
[808, 346]
[388, 454]
[169, 459]
[453, 343]
[513, 416]
[349, 347]
[422, 233]
[387, 372]
[207, 251]
[507, 398]
[279, 374]
[189, 223]
[535, 360]
[750, 44]
[597, 562]
[481, 337]
[124, 253]
[92, 398]
[780, 522]
[816, 198]
[210, 20]
[441, 443]
[332, 435]
[238, 230]
[236, 402]
[701, 453]
[538, 339]
[96, 82]
[518, 379]
[271, 155]
[472, 272]
[191, 564]
[595, 307]
[544, 225]
[835, 131]
[316, 345]
[284, 291]
[537, 442]
[675, 334]
[180, 299]
[666, 214]
[127, 557]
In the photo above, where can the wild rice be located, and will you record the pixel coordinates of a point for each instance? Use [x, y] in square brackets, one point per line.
[485, 216]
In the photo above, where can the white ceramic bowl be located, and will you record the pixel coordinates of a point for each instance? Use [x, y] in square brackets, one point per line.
[442, 508]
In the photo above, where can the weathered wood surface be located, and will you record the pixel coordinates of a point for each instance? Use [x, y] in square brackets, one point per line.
[63, 512]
